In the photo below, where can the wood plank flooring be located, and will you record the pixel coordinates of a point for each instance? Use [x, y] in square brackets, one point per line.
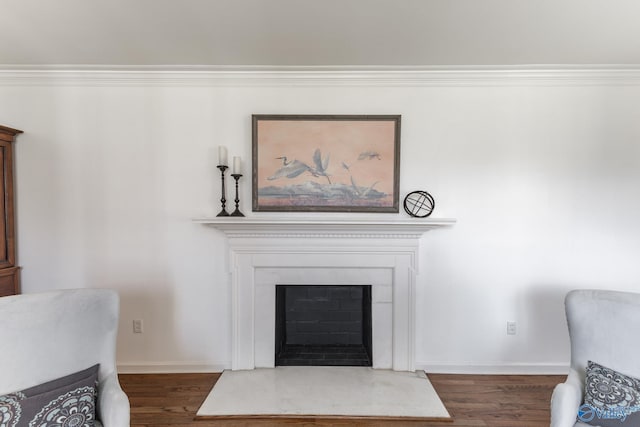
[171, 400]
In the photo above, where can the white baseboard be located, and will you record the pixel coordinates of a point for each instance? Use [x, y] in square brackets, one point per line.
[428, 367]
[171, 368]
[495, 369]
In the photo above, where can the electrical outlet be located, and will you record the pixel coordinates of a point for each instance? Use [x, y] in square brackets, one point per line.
[511, 328]
[137, 326]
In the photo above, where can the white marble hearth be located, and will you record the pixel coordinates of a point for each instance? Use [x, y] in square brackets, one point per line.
[381, 253]
[325, 392]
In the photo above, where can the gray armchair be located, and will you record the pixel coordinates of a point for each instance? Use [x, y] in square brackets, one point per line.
[49, 335]
[603, 327]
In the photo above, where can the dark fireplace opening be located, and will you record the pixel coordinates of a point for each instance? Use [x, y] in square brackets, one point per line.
[323, 325]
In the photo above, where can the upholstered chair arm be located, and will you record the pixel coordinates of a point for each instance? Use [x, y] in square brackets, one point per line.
[113, 403]
[566, 400]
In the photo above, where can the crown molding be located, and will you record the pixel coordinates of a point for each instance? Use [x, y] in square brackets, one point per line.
[61, 75]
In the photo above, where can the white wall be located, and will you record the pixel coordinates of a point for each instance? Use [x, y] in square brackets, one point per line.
[543, 179]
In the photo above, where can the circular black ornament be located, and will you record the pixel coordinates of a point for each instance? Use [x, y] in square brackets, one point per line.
[419, 204]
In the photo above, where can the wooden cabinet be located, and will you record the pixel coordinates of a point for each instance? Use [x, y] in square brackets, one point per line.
[9, 272]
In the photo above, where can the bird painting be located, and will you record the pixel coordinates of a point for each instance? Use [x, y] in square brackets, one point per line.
[319, 168]
[325, 163]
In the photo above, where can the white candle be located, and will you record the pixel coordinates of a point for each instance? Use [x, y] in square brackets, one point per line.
[222, 155]
[237, 166]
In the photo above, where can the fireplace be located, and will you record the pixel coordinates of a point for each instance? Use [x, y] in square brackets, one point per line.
[267, 253]
[323, 325]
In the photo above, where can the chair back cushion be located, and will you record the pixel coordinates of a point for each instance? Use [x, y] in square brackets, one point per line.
[604, 327]
[48, 335]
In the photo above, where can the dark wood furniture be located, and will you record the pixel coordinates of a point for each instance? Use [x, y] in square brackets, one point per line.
[9, 272]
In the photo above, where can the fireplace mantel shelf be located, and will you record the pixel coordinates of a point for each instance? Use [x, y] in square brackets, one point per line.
[374, 228]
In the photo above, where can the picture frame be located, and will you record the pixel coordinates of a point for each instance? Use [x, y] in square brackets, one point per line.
[325, 163]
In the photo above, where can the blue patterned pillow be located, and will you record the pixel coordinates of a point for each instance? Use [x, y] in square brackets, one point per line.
[611, 398]
[66, 401]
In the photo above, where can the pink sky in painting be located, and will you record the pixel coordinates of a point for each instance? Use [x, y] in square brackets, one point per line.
[343, 140]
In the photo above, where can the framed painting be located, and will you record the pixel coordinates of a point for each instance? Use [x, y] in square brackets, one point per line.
[325, 163]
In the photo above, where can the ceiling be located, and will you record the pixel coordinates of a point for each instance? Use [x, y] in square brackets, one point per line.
[313, 33]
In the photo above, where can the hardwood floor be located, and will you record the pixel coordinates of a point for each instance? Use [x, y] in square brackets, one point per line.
[171, 400]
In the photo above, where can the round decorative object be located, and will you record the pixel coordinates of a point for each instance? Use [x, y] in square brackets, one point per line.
[419, 204]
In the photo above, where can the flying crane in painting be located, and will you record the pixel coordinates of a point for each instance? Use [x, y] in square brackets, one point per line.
[295, 168]
[290, 169]
[321, 164]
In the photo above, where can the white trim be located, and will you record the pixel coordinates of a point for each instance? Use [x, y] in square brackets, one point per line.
[62, 75]
[308, 68]
[428, 367]
[495, 369]
[349, 228]
[171, 368]
[266, 252]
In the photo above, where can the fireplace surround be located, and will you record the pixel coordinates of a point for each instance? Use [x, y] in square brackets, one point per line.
[265, 253]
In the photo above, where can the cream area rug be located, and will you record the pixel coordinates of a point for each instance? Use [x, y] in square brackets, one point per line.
[322, 391]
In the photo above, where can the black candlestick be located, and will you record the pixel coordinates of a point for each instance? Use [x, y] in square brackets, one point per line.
[237, 212]
[223, 200]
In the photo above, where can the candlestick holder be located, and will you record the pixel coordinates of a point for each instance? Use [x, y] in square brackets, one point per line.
[223, 199]
[237, 212]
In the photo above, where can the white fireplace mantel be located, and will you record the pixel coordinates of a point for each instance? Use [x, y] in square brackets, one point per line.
[381, 252]
[335, 228]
